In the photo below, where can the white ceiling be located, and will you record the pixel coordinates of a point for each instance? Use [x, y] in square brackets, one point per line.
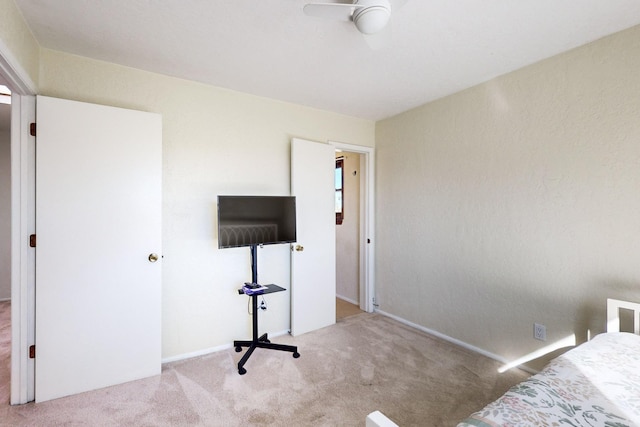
[270, 48]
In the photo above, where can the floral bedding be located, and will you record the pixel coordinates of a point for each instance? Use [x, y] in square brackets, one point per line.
[594, 384]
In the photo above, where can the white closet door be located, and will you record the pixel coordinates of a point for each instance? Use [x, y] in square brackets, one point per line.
[98, 220]
[313, 259]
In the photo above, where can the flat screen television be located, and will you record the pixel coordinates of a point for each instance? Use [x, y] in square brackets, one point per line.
[256, 220]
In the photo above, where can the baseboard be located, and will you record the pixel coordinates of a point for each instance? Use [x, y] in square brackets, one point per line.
[204, 352]
[349, 300]
[198, 353]
[437, 334]
[453, 341]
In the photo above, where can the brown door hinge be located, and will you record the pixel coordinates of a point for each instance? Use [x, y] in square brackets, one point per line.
[32, 240]
[32, 129]
[32, 352]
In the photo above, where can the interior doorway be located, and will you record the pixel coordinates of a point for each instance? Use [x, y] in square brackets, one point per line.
[22, 225]
[347, 184]
[355, 241]
[5, 241]
[5, 192]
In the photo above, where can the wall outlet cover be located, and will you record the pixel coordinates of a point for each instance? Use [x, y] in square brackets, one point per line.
[539, 332]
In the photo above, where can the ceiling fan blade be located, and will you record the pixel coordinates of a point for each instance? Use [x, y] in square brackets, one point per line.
[339, 11]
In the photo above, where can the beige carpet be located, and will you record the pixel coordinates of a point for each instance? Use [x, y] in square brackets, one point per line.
[363, 363]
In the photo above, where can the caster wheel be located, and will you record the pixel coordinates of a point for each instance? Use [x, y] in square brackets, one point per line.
[242, 371]
[296, 355]
[238, 349]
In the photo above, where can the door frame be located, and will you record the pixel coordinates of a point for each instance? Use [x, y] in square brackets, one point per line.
[367, 223]
[23, 111]
[22, 256]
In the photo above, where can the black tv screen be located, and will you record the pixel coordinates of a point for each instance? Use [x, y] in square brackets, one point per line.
[256, 220]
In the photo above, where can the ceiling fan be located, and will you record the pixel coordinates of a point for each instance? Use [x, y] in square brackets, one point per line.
[369, 16]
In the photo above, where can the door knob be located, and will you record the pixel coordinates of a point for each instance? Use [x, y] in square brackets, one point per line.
[153, 257]
[299, 248]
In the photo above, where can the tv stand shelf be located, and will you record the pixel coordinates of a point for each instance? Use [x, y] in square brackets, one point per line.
[263, 340]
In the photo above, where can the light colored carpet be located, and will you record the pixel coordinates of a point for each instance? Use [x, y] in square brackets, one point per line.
[363, 363]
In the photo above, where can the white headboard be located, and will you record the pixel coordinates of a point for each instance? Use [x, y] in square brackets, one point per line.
[613, 315]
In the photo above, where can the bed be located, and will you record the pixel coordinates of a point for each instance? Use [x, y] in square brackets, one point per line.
[594, 384]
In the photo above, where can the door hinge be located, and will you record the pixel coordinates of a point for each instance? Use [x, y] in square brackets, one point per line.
[32, 129]
[32, 352]
[32, 241]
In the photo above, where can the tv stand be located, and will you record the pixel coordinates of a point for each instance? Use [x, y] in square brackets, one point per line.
[263, 340]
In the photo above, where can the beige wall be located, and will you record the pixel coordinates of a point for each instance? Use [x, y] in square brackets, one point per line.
[348, 233]
[20, 45]
[215, 141]
[516, 201]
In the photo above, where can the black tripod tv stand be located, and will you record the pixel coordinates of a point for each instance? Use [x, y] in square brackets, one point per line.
[263, 340]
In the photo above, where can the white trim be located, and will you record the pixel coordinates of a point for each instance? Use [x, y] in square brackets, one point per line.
[349, 300]
[22, 224]
[453, 340]
[367, 222]
[198, 353]
[5, 299]
[210, 350]
[22, 256]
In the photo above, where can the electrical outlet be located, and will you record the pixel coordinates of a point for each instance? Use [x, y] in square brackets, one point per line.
[539, 332]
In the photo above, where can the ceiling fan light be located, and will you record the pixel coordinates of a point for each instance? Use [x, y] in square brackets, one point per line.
[370, 20]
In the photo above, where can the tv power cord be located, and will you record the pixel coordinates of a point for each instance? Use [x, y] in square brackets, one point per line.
[262, 306]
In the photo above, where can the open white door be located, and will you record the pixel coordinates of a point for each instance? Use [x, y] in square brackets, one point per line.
[98, 220]
[313, 258]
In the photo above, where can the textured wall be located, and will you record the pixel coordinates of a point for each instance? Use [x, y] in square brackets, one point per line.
[17, 37]
[215, 141]
[516, 201]
[348, 233]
